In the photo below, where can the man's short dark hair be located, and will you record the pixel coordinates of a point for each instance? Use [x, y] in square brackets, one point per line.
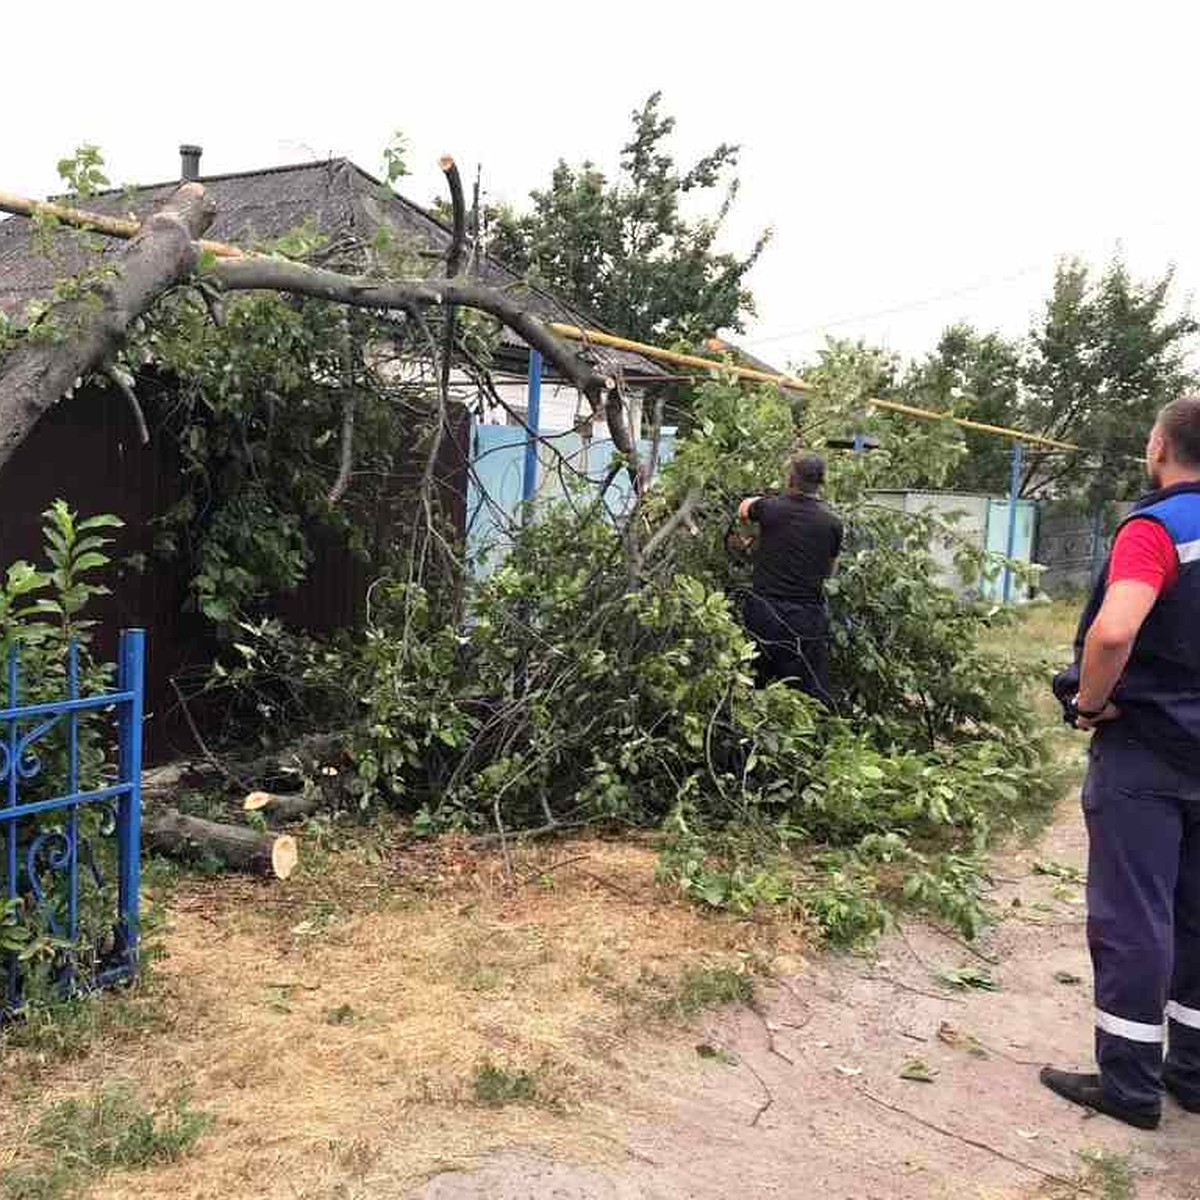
[1179, 422]
[807, 473]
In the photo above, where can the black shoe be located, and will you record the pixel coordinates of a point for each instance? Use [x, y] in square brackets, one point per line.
[1189, 1103]
[1085, 1090]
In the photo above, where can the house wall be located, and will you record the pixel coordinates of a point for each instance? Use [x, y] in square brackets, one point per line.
[565, 462]
[561, 407]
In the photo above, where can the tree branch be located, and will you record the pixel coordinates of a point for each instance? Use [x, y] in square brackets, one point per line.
[39, 372]
[264, 274]
[453, 263]
[346, 462]
[278, 275]
[459, 209]
[122, 384]
[671, 524]
[164, 253]
[1032, 1168]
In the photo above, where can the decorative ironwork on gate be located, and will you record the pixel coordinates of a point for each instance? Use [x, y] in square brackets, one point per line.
[71, 830]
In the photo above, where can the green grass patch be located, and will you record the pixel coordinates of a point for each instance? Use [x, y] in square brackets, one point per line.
[702, 988]
[67, 1031]
[25, 1183]
[111, 1130]
[1106, 1174]
[497, 1085]
[78, 1141]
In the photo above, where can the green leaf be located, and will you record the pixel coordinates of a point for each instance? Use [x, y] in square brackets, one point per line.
[917, 1071]
[23, 579]
[102, 521]
[92, 561]
[963, 978]
[93, 542]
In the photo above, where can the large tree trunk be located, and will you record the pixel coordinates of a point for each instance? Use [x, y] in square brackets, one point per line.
[170, 832]
[164, 253]
[85, 335]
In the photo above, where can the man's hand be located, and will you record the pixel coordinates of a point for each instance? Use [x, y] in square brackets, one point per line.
[1110, 713]
[744, 508]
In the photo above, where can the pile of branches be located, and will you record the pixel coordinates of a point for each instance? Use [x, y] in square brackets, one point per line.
[600, 676]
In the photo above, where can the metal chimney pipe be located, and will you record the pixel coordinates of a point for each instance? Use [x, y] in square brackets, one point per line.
[189, 162]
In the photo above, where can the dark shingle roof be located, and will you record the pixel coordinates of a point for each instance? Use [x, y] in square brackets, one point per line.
[341, 200]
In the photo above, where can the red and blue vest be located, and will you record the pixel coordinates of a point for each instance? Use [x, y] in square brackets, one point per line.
[1159, 693]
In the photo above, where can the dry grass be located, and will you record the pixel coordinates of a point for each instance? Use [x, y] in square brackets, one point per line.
[1044, 636]
[1042, 631]
[335, 1026]
[1050, 628]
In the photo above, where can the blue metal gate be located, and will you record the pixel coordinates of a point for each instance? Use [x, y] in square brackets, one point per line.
[77, 851]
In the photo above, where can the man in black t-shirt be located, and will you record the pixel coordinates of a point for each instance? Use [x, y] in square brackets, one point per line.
[799, 540]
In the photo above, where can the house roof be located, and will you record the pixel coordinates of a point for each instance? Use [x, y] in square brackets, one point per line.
[339, 199]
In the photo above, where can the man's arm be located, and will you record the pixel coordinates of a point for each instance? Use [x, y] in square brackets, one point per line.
[1109, 643]
[1143, 566]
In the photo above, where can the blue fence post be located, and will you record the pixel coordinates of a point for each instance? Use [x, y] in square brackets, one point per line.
[10, 828]
[72, 789]
[131, 673]
[533, 414]
[1014, 491]
[860, 441]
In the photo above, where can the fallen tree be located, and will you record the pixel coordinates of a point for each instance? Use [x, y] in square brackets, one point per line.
[187, 837]
[81, 334]
[284, 808]
[172, 833]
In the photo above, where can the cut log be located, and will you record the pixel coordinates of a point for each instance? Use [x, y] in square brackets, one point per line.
[284, 808]
[165, 780]
[177, 835]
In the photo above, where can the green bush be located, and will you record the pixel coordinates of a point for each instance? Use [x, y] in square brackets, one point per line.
[43, 610]
[497, 1086]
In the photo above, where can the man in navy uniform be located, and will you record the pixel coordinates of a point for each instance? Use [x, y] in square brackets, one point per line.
[1136, 683]
[799, 540]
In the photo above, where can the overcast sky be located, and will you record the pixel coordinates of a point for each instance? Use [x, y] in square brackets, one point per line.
[920, 162]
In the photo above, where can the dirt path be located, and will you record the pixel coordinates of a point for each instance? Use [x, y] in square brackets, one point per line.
[809, 1118]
